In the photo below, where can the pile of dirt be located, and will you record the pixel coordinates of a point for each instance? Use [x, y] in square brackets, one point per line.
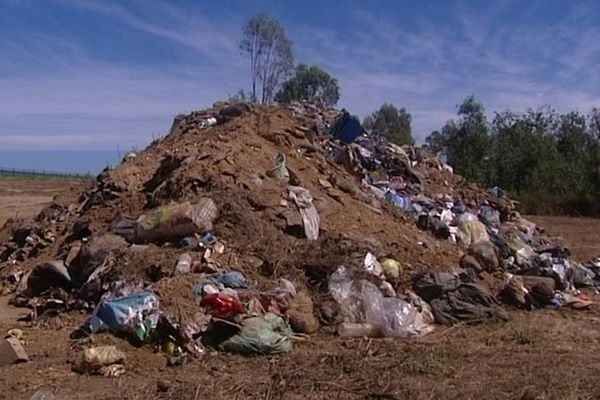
[229, 154]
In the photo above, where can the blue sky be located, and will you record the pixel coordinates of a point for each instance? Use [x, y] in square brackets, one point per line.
[102, 75]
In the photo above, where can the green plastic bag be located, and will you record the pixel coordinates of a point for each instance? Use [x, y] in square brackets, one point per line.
[280, 171]
[266, 334]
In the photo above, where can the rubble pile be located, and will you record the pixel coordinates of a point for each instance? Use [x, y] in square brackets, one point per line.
[249, 227]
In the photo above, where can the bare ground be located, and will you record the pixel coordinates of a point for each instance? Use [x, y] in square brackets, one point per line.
[25, 197]
[544, 354]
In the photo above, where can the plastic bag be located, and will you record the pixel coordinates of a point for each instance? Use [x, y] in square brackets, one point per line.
[136, 314]
[176, 221]
[280, 171]
[233, 280]
[392, 268]
[265, 334]
[308, 212]
[361, 302]
[167, 223]
[223, 306]
[399, 201]
[582, 276]
[489, 216]
[92, 360]
[372, 266]
[522, 252]
[471, 232]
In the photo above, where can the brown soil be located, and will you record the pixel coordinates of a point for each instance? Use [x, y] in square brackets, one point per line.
[544, 354]
[581, 235]
[25, 197]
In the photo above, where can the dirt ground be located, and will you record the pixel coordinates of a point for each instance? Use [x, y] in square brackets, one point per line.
[581, 235]
[25, 197]
[544, 354]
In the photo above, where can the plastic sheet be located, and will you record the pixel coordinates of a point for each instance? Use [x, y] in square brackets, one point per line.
[308, 212]
[361, 302]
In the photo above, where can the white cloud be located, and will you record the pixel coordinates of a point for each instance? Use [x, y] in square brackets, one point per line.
[506, 60]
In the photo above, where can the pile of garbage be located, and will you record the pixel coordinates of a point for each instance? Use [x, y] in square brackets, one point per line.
[248, 228]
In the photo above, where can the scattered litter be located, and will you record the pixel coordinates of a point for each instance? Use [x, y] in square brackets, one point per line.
[167, 223]
[136, 315]
[103, 360]
[362, 302]
[265, 334]
[184, 264]
[308, 212]
[280, 171]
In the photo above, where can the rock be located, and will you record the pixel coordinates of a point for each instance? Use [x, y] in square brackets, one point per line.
[468, 261]
[301, 316]
[531, 281]
[541, 288]
[230, 112]
[12, 351]
[514, 292]
[486, 255]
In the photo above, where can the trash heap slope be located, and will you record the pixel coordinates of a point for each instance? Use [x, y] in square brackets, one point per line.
[232, 159]
[228, 163]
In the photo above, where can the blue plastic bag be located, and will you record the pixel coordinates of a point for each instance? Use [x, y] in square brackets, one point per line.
[136, 314]
[399, 201]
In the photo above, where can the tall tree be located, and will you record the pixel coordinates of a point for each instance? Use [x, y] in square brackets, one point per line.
[391, 123]
[549, 161]
[312, 84]
[270, 51]
[465, 141]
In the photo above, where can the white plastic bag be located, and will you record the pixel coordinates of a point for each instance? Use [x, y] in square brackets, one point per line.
[361, 302]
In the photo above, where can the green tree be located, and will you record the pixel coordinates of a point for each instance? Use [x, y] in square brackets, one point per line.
[312, 84]
[466, 141]
[550, 162]
[391, 123]
[265, 42]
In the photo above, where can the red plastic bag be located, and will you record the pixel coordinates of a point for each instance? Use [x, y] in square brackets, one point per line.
[220, 305]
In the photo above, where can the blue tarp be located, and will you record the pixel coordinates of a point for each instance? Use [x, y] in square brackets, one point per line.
[347, 128]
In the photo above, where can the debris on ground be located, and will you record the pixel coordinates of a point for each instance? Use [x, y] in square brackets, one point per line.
[249, 227]
[103, 360]
[12, 351]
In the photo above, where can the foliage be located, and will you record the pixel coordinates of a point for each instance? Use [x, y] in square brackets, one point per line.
[391, 123]
[312, 84]
[265, 42]
[549, 161]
